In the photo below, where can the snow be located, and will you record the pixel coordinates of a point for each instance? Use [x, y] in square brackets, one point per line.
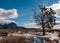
[1, 37]
[53, 36]
[27, 35]
[13, 34]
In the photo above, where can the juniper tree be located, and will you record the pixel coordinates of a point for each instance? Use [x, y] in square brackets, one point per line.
[45, 17]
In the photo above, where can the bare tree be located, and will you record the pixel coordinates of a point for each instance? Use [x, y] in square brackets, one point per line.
[45, 18]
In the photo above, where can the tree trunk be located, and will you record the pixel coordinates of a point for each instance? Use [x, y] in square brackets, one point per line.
[43, 26]
[43, 31]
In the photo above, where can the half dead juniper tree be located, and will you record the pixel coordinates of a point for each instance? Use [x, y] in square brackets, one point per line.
[45, 17]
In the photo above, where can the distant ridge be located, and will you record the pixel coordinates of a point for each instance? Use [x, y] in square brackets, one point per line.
[8, 26]
[13, 25]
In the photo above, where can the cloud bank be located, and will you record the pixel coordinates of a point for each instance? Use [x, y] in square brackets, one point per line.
[31, 25]
[7, 14]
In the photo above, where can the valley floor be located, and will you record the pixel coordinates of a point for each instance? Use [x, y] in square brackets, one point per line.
[28, 36]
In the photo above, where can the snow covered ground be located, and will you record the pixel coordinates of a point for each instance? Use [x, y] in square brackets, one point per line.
[51, 36]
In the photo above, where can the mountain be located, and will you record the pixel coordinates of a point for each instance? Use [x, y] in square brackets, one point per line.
[1, 26]
[12, 25]
[8, 26]
[5, 26]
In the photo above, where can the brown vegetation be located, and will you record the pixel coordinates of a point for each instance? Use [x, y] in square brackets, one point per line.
[15, 39]
[19, 39]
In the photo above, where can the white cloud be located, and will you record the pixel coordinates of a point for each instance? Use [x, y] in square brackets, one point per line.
[56, 7]
[7, 14]
[57, 21]
[6, 21]
[31, 25]
[56, 27]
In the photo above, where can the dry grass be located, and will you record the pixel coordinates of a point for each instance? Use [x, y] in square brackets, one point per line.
[15, 39]
[18, 39]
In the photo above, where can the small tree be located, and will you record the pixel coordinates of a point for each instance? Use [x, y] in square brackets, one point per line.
[45, 18]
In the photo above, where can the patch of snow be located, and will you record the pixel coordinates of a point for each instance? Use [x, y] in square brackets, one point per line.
[53, 36]
[28, 35]
[1, 37]
[13, 34]
[19, 31]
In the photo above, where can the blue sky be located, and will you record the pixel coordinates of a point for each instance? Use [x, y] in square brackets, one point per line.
[24, 8]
